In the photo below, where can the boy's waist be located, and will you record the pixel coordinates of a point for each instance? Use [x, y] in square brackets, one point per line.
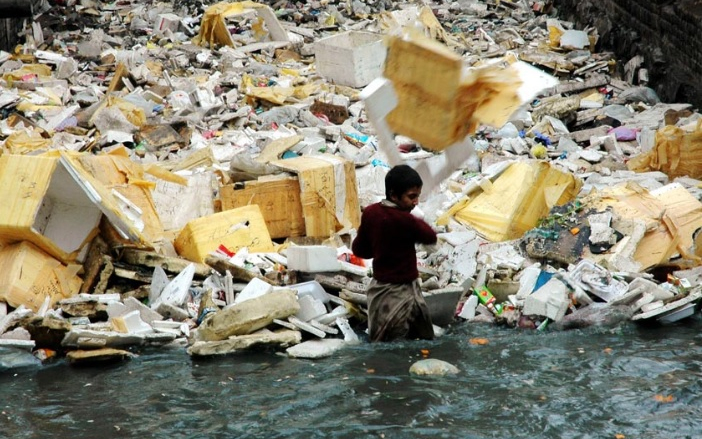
[399, 277]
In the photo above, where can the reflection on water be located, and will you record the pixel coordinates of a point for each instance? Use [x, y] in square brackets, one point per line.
[637, 382]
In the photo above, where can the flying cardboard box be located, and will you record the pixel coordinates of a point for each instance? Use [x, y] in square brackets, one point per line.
[440, 100]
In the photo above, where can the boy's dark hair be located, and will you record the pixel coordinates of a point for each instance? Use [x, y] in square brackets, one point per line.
[400, 179]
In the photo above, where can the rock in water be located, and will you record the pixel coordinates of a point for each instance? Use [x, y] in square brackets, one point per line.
[97, 356]
[12, 358]
[433, 367]
[316, 348]
[597, 314]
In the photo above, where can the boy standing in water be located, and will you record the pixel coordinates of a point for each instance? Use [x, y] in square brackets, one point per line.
[388, 234]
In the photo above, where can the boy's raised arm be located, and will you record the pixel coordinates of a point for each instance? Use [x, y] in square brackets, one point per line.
[424, 233]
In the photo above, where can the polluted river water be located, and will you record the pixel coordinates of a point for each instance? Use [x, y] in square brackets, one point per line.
[623, 382]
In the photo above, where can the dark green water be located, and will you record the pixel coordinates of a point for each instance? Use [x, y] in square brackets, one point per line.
[595, 383]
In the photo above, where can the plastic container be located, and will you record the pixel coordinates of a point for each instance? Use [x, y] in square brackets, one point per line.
[312, 288]
[442, 304]
[678, 314]
[351, 58]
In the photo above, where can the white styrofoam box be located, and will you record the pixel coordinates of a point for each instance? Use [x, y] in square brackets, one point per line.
[551, 300]
[166, 21]
[312, 288]
[312, 258]
[351, 58]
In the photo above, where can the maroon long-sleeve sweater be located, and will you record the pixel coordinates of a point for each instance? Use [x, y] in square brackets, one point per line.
[388, 235]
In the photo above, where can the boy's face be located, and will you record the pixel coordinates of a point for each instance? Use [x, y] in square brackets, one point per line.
[408, 200]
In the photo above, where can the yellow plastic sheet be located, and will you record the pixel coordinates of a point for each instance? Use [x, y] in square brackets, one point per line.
[517, 199]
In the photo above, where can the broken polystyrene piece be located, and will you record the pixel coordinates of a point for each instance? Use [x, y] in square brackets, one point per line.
[657, 309]
[469, 307]
[177, 290]
[131, 323]
[597, 280]
[551, 300]
[312, 288]
[248, 316]
[159, 281]
[310, 308]
[306, 327]
[316, 348]
[574, 39]
[326, 328]
[338, 312]
[527, 280]
[255, 288]
[349, 335]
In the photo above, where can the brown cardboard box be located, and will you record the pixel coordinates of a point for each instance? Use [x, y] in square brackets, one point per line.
[54, 203]
[28, 275]
[235, 228]
[118, 172]
[279, 201]
[43, 204]
[440, 100]
[328, 192]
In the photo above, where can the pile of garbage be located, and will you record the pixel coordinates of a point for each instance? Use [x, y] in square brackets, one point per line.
[192, 175]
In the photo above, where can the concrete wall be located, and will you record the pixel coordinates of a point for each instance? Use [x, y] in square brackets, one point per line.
[667, 33]
[11, 27]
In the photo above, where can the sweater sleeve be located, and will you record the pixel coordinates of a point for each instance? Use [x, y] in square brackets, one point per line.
[361, 246]
[424, 233]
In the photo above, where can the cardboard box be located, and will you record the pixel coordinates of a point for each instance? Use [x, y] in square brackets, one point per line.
[214, 29]
[351, 58]
[235, 228]
[279, 201]
[28, 276]
[43, 204]
[178, 202]
[441, 100]
[54, 203]
[328, 192]
[126, 177]
[426, 77]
